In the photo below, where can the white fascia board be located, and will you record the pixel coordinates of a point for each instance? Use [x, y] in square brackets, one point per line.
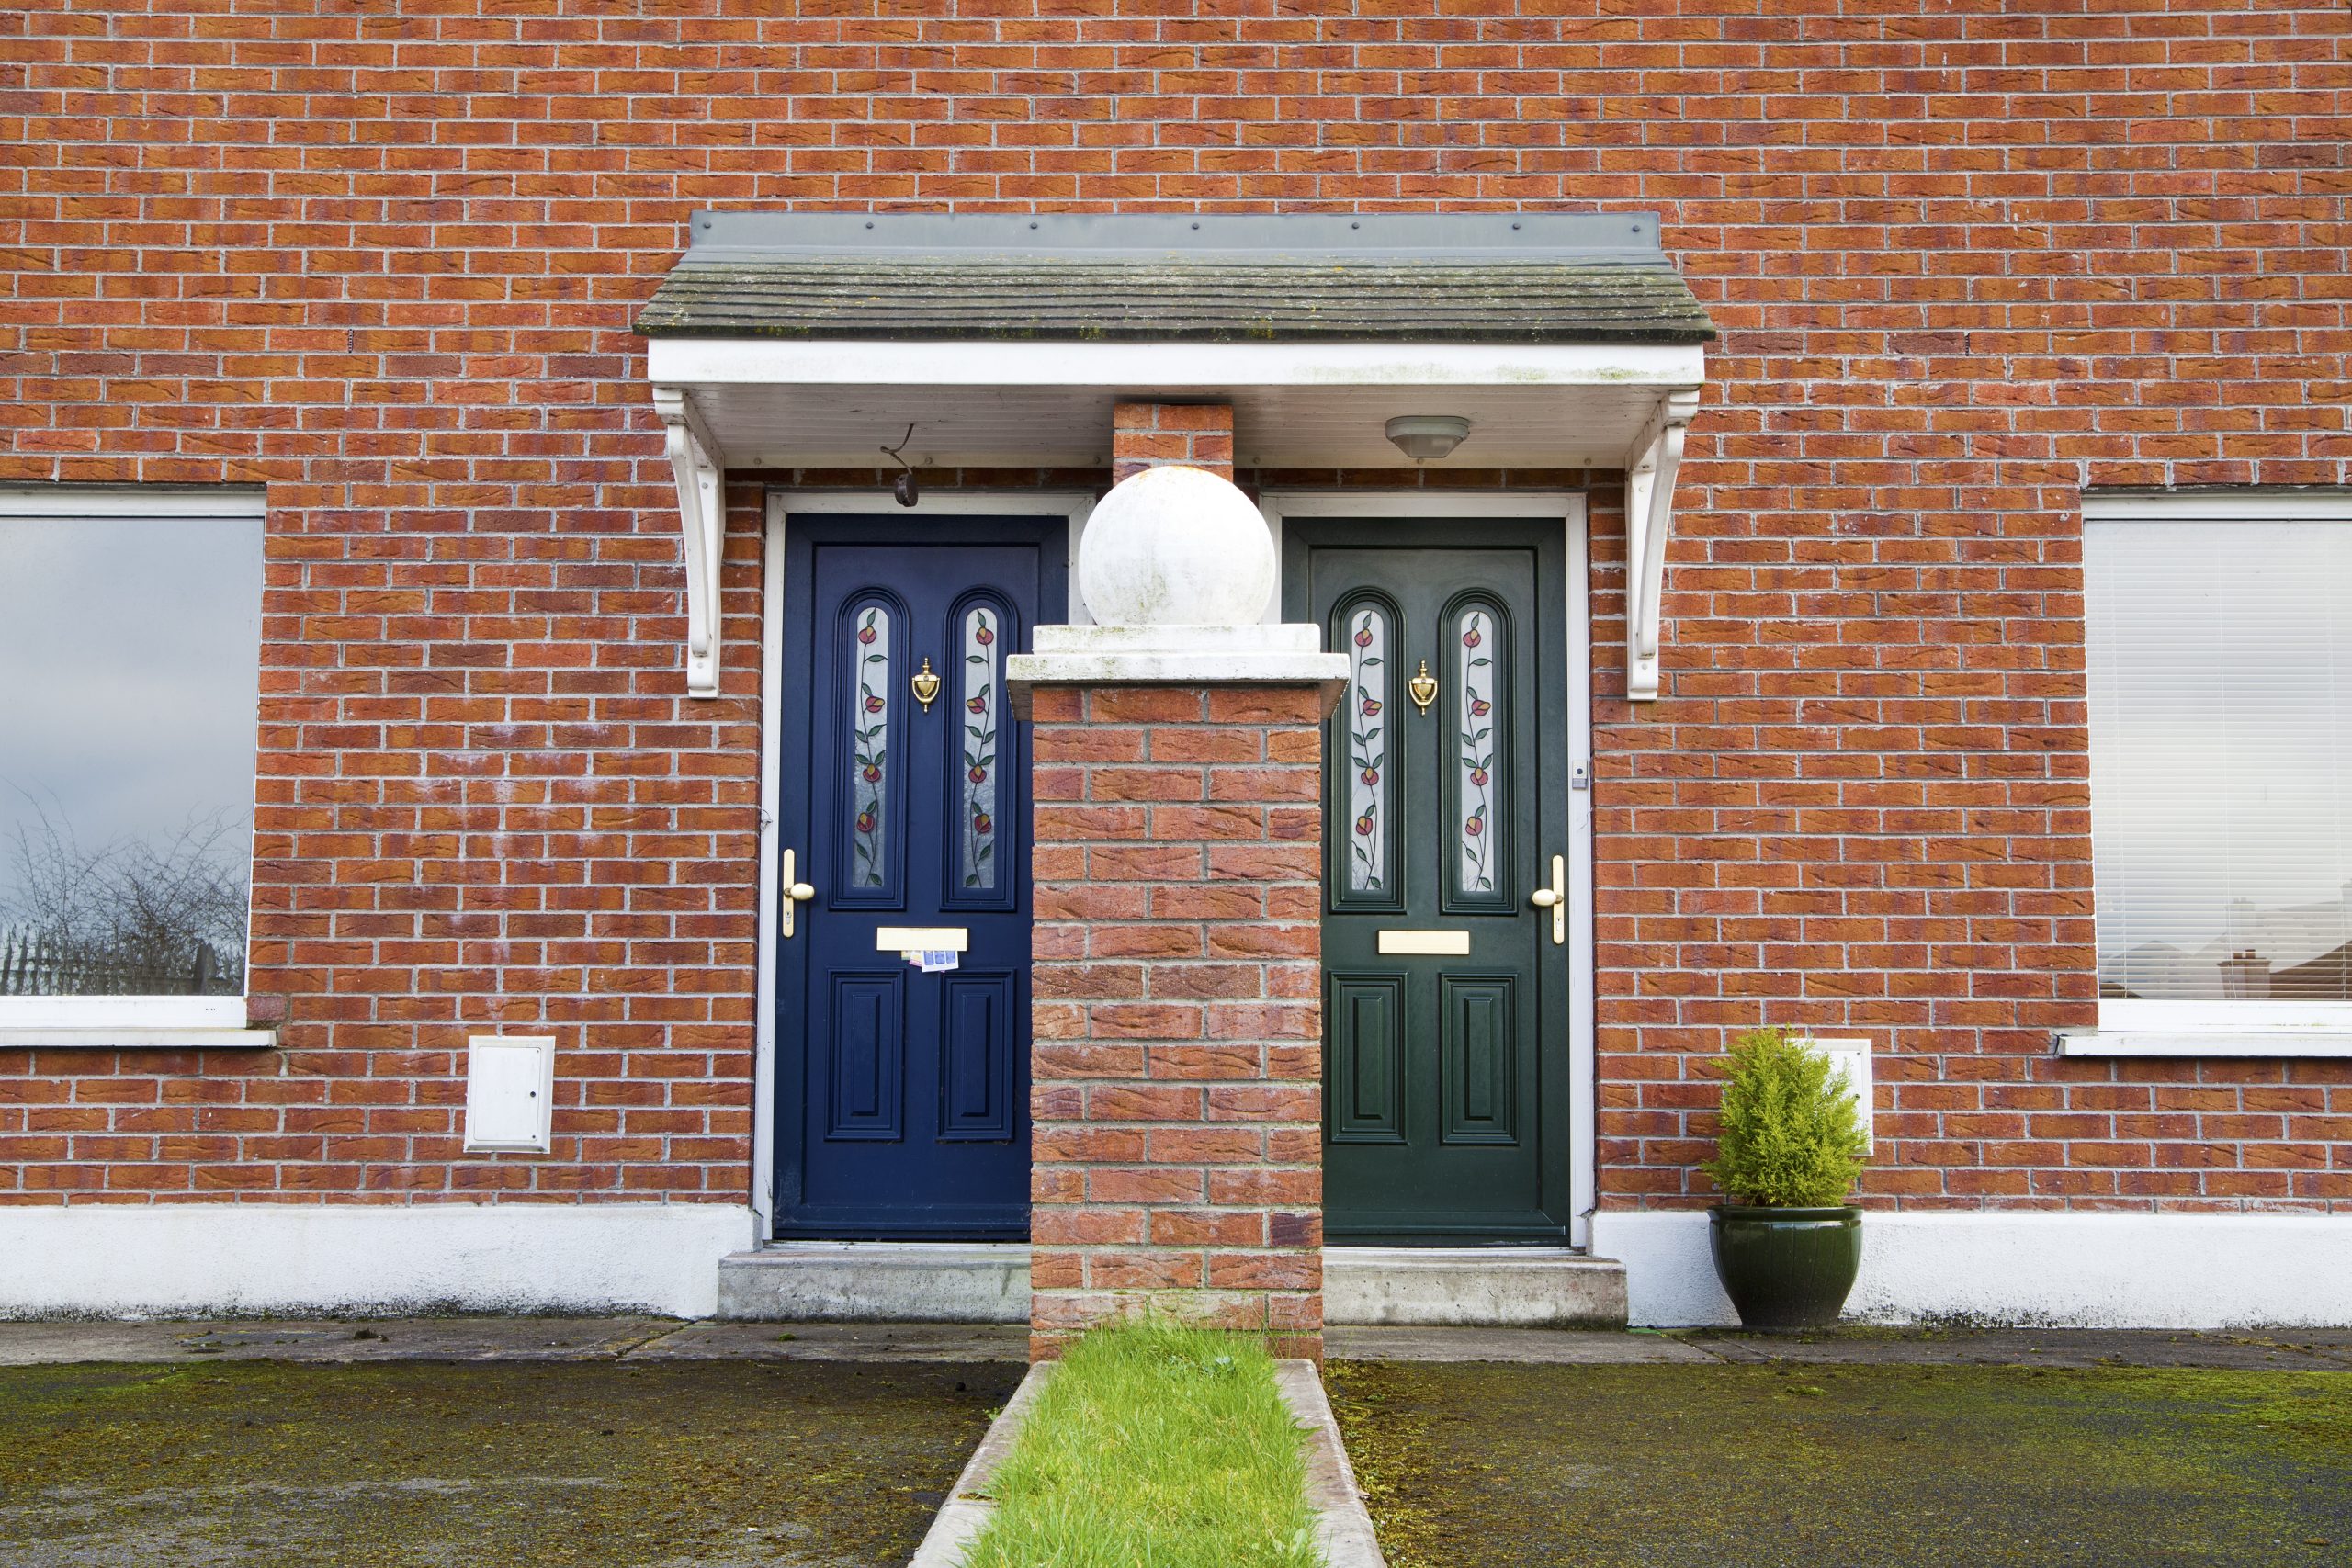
[1166, 366]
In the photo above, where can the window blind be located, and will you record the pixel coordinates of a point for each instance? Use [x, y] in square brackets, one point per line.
[2221, 731]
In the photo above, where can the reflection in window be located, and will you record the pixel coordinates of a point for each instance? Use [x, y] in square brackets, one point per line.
[129, 658]
[981, 647]
[2220, 725]
[1474, 747]
[1366, 629]
[869, 717]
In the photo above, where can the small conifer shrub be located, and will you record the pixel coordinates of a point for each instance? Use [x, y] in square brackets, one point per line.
[1791, 1134]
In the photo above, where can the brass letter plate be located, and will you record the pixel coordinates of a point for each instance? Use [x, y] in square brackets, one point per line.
[921, 938]
[1436, 945]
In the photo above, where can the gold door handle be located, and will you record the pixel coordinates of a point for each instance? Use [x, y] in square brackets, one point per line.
[794, 893]
[1555, 898]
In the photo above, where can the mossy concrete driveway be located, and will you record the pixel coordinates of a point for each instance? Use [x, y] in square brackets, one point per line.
[419, 1464]
[1868, 1465]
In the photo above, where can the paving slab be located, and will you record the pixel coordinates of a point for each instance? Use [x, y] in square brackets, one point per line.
[1883, 1465]
[1529, 1346]
[2020, 1346]
[426, 1464]
[329, 1339]
[918, 1342]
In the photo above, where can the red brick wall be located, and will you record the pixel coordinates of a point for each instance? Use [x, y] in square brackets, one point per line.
[1967, 259]
[1178, 1061]
[1145, 436]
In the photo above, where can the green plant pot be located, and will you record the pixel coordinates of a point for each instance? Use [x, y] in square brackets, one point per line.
[1786, 1268]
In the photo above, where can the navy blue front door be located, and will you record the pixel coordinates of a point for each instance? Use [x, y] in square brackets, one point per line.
[903, 1095]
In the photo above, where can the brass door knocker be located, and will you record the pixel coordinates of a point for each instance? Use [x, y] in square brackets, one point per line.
[926, 685]
[1422, 688]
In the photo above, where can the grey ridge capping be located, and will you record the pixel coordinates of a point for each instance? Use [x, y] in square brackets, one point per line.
[1175, 277]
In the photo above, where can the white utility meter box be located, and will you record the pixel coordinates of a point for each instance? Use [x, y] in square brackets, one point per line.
[1852, 1058]
[510, 1093]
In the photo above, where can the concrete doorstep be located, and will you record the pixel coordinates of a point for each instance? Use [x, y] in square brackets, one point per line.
[1342, 1523]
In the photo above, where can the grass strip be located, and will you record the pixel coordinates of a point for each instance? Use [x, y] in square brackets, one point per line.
[1154, 1447]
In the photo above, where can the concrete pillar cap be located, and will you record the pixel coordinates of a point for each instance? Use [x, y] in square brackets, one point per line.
[1176, 546]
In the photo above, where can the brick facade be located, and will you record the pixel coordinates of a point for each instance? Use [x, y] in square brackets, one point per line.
[1144, 435]
[1178, 1064]
[1967, 260]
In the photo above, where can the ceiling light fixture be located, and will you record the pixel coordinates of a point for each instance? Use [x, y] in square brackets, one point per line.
[1421, 436]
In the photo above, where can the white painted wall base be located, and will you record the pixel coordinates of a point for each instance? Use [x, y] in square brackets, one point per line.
[181, 1259]
[2078, 1270]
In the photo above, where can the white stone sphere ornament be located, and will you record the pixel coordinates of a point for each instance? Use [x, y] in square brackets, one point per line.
[1176, 546]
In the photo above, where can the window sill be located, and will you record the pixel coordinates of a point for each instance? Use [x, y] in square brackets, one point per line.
[133, 1037]
[2205, 1043]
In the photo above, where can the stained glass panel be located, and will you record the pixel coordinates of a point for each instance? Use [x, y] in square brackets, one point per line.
[870, 760]
[982, 628]
[1474, 745]
[1367, 631]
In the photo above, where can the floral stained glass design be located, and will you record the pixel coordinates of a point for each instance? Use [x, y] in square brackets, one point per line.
[979, 830]
[1368, 751]
[1477, 747]
[870, 758]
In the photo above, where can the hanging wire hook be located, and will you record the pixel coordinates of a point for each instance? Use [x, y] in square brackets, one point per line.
[904, 486]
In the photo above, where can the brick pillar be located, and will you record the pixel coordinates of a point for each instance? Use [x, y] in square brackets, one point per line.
[1178, 1010]
[1144, 435]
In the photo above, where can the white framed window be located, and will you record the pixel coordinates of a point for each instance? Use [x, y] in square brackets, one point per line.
[130, 678]
[2218, 628]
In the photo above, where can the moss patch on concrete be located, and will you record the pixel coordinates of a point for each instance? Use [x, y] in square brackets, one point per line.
[1481, 1465]
[695, 1465]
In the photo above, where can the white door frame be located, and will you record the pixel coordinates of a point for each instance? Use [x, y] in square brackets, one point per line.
[1568, 507]
[782, 502]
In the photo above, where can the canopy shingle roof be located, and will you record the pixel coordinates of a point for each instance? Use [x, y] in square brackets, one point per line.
[1490, 277]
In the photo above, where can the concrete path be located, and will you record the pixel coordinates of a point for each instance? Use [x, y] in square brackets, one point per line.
[506, 1339]
[667, 1339]
[234, 1460]
[2275, 1350]
[1891, 1462]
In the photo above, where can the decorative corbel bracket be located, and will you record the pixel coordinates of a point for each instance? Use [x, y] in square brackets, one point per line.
[1650, 468]
[700, 470]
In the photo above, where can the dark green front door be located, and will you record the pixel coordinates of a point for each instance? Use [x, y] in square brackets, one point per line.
[1445, 995]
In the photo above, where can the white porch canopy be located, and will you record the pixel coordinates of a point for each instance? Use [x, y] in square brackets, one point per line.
[812, 341]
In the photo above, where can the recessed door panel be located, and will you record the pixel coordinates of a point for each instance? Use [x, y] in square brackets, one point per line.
[978, 1079]
[1365, 1087]
[868, 1061]
[901, 1091]
[1446, 1017]
[1479, 1055]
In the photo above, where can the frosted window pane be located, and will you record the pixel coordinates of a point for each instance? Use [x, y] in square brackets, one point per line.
[2221, 687]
